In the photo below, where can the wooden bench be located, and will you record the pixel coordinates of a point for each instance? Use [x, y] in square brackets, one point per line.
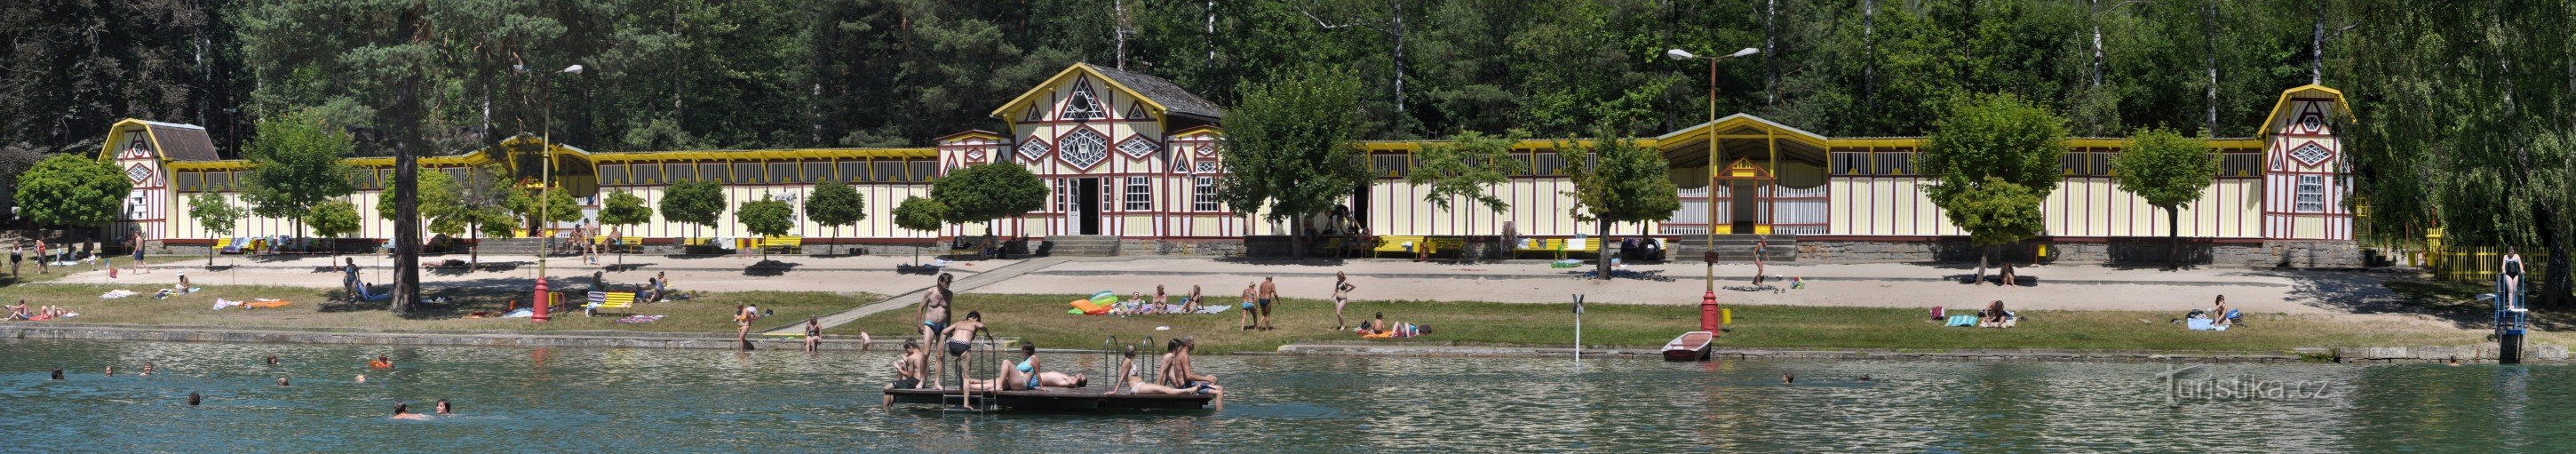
[1554, 247]
[1592, 245]
[622, 244]
[1446, 243]
[608, 300]
[784, 244]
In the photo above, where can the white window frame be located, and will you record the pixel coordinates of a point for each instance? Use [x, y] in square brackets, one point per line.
[1140, 194]
[2310, 196]
[1203, 194]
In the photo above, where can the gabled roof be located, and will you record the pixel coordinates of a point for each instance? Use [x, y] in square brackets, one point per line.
[1741, 124]
[2282, 107]
[1162, 95]
[176, 142]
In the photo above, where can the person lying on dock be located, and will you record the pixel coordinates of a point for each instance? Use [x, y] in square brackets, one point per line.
[1132, 381]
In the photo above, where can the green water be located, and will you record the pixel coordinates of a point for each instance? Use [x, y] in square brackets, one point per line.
[649, 401]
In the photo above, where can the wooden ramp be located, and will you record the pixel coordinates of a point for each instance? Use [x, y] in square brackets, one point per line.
[1056, 399]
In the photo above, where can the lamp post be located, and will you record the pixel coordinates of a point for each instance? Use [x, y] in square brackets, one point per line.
[545, 187]
[1708, 301]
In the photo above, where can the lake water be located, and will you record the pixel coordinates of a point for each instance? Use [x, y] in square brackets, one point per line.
[649, 401]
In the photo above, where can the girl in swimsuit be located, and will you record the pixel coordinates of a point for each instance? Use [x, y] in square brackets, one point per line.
[961, 339]
[1341, 297]
[1023, 376]
[1131, 382]
[813, 334]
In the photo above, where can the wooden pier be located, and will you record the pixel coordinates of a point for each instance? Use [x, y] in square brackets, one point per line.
[1056, 399]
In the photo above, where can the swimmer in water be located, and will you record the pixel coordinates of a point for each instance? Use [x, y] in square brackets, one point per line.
[58, 373]
[272, 360]
[403, 411]
[381, 362]
[192, 398]
[281, 381]
[444, 409]
[362, 378]
[111, 371]
[147, 368]
[1864, 377]
[1788, 377]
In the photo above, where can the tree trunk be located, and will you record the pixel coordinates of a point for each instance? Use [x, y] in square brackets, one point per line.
[2173, 232]
[2209, 36]
[1604, 239]
[1984, 253]
[2554, 286]
[406, 201]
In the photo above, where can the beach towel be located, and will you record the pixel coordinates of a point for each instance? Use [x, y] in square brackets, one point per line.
[2203, 324]
[365, 294]
[264, 303]
[114, 294]
[522, 313]
[221, 303]
[639, 319]
[1215, 308]
[1962, 320]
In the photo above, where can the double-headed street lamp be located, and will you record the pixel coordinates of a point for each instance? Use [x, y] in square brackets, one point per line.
[545, 185]
[1708, 301]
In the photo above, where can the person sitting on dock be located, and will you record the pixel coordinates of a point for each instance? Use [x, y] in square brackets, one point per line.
[1132, 381]
[906, 376]
[961, 339]
[1176, 368]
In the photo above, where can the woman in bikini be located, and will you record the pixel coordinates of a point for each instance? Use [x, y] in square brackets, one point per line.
[961, 339]
[1131, 381]
[1023, 376]
[742, 320]
[1341, 297]
[1191, 305]
[813, 334]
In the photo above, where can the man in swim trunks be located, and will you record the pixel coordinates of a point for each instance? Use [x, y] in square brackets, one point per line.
[961, 339]
[136, 243]
[1269, 292]
[905, 375]
[1251, 290]
[933, 313]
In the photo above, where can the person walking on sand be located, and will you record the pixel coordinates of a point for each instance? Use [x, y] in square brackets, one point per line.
[1269, 294]
[1341, 297]
[1759, 247]
[933, 313]
[41, 258]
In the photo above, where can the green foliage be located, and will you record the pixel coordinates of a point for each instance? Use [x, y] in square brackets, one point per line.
[624, 208]
[440, 203]
[916, 213]
[1989, 151]
[215, 213]
[1615, 180]
[295, 166]
[766, 217]
[695, 202]
[1465, 167]
[559, 205]
[2164, 167]
[483, 202]
[72, 190]
[333, 218]
[985, 192]
[835, 203]
[1998, 212]
[1287, 146]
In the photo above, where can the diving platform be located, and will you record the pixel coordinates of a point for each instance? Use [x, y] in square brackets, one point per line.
[1056, 399]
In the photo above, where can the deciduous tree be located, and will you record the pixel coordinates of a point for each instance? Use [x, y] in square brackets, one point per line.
[2168, 170]
[1615, 180]
[698, 202]
[835, 204]
[766, 217]
[295, 167]
[1992, 160]
[1288, 151]
[217, 215]
[72, 190]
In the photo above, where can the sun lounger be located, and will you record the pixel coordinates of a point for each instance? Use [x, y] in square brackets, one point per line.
[608, 300]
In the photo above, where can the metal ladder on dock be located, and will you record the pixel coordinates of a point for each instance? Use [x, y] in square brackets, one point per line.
[986, 350]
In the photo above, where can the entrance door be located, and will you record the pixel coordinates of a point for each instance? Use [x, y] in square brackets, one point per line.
[1087, 203]
[1359, 208]
[1744, 207]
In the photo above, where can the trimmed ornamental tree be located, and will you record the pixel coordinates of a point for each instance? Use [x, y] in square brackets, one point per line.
[625, 209]
[1993, 161]
[699, 203]
[333, 219]
[1615, 180]
[766, 217]
[916, 213]
[835, 204]
[71, 190]
[295, 167]
[2168, 170]
[988, 192]
[1287, 148]
[1466, 168]
[217, 215]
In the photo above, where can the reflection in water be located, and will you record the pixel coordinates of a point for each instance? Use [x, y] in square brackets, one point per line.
[620, 400]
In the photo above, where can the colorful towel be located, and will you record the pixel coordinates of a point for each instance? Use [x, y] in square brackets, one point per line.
[264, 303]
[1962, 320]
[639, 319]
[114, 294]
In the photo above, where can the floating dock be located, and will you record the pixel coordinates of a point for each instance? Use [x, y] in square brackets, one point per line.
[1056, 399]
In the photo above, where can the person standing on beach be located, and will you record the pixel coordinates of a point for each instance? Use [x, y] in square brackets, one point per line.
[933, 313]
[1341, 297]
[1759, 247]
[1250, 290]
[135, 243]
[41, 258]
[15, 256]
[1269, 293]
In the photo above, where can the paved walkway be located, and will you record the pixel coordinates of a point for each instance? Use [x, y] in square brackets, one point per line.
[2077, 287]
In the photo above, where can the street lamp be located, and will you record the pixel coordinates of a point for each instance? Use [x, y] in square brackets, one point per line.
[545, 188]
[1708, 301]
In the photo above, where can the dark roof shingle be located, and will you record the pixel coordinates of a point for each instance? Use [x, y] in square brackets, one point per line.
[184, 142]
[1170, 95]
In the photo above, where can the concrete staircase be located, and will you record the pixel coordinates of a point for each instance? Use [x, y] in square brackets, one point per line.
[1735, 248]
[1082, 246]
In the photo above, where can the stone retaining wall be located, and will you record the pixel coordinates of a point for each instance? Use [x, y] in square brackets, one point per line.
[2268, 254]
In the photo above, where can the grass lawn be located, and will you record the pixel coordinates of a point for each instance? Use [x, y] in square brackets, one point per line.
[1042, 318]
[710, 313]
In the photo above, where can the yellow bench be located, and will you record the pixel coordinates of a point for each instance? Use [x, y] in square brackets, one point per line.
[623, 243]
[608, 300]
[1395, 243]
[786, 243]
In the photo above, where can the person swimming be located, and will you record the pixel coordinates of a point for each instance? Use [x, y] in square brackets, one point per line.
[380, 362]
[444, 409]
[58, 373]
[193, 398]
[281, 382]
[272, 360]
[402, 410]
[362, 378]
[147, 368]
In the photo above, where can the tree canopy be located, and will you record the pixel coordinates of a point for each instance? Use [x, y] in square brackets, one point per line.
[917, 213]
[697, 202]
[2168, 170]
[72, 190]
[985, 192]
[216, 214]
[1993, 160]
[835, 204]
[333, 219]
[766, 217]
[1287, 148]
[296, 167]
[1615, 181]
[1466, 167]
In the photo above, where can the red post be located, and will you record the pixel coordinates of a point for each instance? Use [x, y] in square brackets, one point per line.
[543, 298]
[1708, 312]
